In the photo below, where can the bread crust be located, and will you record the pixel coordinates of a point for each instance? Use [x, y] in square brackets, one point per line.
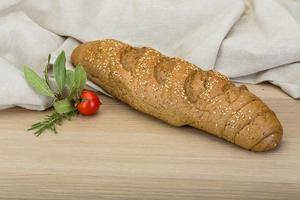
[180, 93]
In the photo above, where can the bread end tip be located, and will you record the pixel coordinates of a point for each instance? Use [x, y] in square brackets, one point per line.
[76, 55]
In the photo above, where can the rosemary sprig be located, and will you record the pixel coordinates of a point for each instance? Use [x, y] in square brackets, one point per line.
[50, 122]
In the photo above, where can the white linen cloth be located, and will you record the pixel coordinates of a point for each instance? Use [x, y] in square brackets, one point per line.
[250, 41]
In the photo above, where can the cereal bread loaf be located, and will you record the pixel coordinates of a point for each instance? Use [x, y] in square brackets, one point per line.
[180, 93]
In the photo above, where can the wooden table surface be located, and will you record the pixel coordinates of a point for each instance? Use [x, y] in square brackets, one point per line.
[124, 154]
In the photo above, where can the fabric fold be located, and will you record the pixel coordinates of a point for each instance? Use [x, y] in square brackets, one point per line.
[251, 41]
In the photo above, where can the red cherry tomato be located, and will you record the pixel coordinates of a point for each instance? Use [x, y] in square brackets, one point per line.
[90, 103]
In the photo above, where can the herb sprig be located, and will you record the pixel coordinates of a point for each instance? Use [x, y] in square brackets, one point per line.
[64, 92]
[51, 121]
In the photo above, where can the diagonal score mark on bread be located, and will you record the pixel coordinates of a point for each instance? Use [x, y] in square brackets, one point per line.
[180, 93]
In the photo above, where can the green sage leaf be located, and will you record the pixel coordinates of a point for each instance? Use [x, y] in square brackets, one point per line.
[64, 106]
[71, 83]
[80, 78]
[46, 71]
[37, 83]
[60, 71]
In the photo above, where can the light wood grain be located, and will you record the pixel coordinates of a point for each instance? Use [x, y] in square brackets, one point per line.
[124, 154]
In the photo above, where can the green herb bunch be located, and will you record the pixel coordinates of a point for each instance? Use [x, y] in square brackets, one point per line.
[65, 92]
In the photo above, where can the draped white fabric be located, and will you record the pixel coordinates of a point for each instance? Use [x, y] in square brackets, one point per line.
[250, 41]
